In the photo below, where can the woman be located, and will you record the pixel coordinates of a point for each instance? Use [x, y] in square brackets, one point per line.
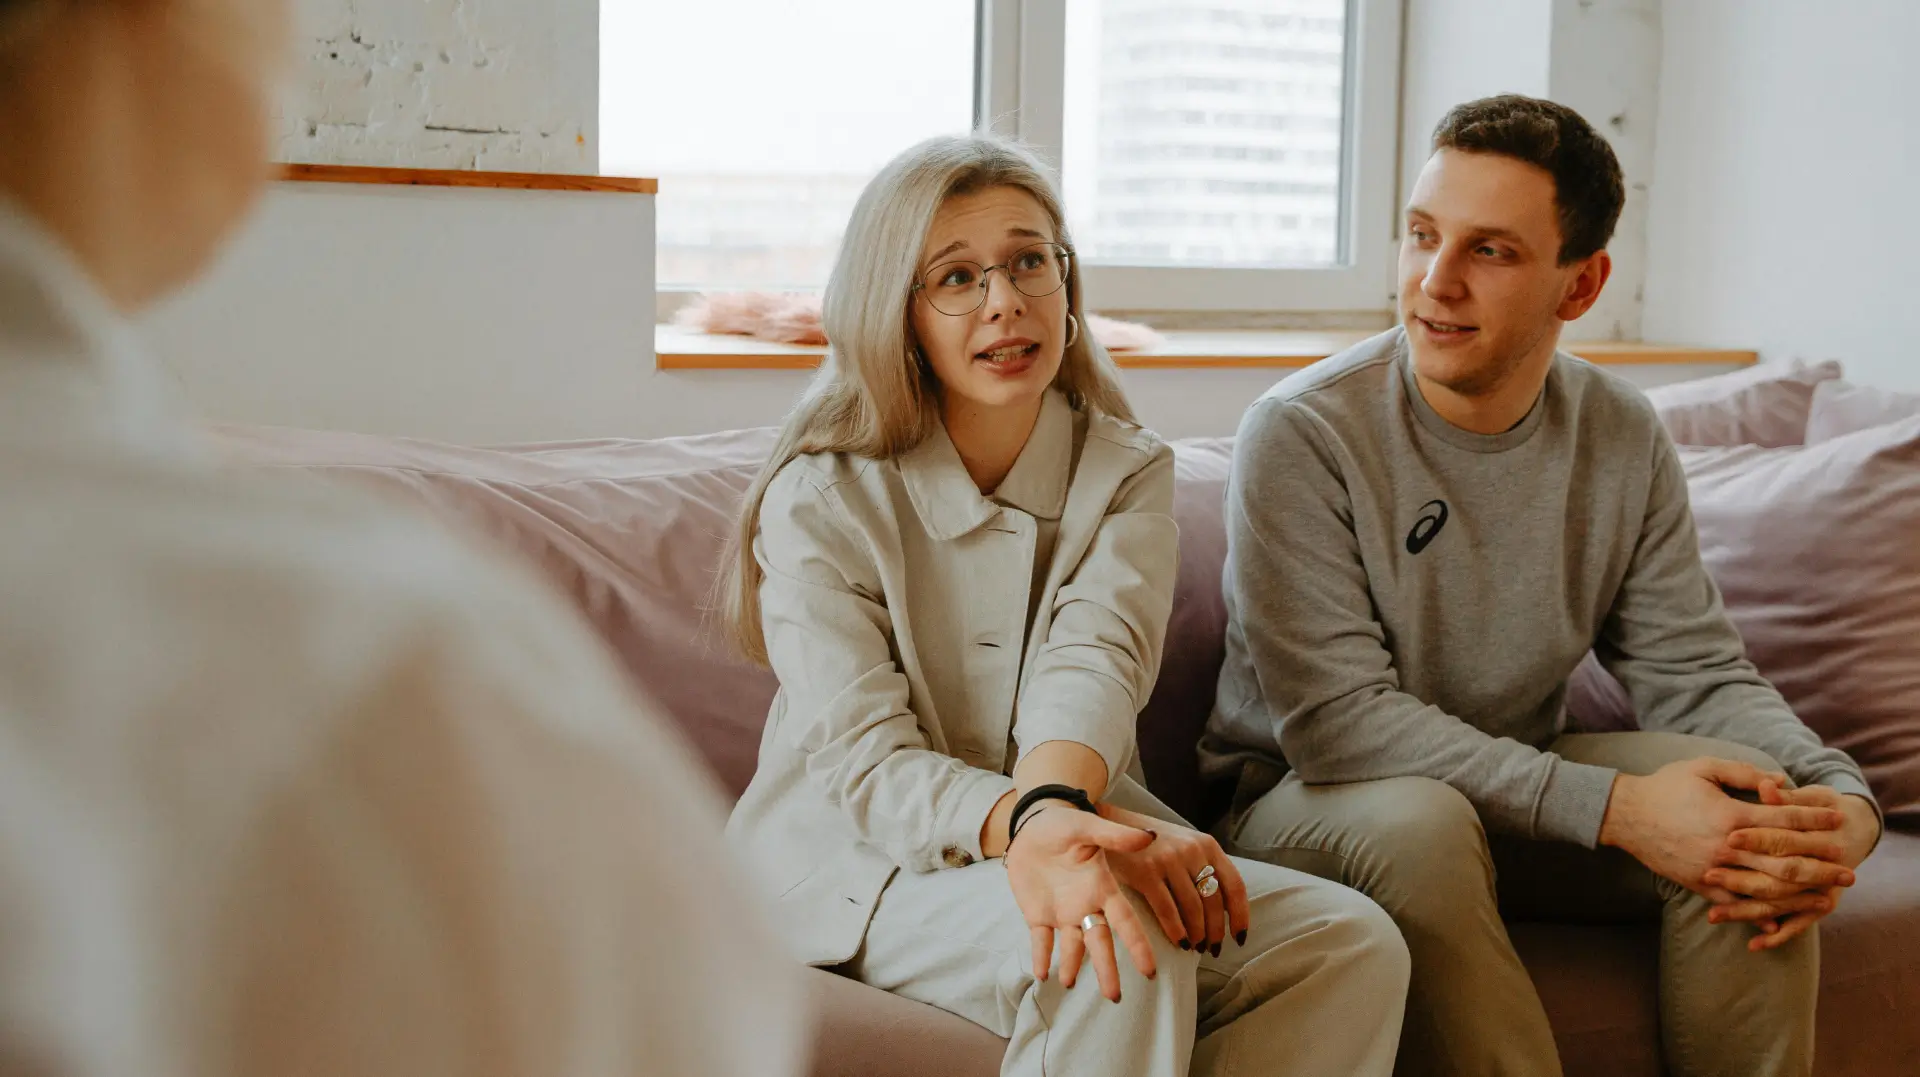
[959, 562]
[292, 783]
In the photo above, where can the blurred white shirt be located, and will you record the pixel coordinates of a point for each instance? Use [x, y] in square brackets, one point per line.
[294, 784]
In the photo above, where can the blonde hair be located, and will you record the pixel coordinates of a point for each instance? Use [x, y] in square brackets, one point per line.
[873, 396]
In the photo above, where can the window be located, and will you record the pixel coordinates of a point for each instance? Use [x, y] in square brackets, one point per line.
[1204, 133]
[1231, 155]
[763, 119]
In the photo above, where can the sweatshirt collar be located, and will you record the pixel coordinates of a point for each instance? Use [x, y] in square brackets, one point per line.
[1439, 427]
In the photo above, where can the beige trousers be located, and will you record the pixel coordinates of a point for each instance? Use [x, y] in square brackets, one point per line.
[1417, 847]
[1317, 991]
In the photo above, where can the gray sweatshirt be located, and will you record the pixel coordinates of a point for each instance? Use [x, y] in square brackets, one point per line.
[1408, 598]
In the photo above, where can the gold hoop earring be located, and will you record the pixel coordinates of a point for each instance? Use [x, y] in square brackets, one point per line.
[1073, 330]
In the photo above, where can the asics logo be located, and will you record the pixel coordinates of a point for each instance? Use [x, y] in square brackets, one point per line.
[1433, 517]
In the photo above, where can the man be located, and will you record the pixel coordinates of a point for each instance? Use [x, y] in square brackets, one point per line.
[291, 783]
[1426, 534]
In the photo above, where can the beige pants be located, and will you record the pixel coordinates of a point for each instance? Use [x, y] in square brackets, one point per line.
[1317, 991]
[1417, 847]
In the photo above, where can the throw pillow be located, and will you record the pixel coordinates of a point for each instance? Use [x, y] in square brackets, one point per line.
[1840, 409]
[1763, 405]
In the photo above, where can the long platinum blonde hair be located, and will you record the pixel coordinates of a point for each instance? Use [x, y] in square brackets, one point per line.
[873, 396]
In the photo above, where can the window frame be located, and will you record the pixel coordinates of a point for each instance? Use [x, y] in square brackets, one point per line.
[1020, 88]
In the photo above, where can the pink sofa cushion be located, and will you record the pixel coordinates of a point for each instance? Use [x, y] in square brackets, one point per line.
[1815, 551]
[1763, 405]
[1176, 715]
[1840, 409]
[629, 531]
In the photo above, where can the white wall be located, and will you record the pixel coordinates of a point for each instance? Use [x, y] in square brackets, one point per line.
[1459, 50]
[497, 316]
[453, 313]
[1598, 57]
[508, 85]
[1605, 62]
[1788, 150]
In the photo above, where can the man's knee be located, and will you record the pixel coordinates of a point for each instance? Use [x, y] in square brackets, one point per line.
[1401, 841]
[1421, 845]
[1645, 752]
[1416, 820]
[1738, 753]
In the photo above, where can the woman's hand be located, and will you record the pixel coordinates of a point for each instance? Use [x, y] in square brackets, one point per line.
[1058, 868]
[1168, 874]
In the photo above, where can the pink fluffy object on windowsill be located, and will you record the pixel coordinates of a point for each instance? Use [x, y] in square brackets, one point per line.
[794, 318]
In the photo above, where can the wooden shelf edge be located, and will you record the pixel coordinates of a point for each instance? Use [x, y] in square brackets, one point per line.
[667, 360]
[444, 177]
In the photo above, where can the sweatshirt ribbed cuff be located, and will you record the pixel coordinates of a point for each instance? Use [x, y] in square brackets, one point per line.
[1845, 781]
[1574, 803]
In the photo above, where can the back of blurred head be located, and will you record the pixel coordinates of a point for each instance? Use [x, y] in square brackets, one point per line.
[135, 130]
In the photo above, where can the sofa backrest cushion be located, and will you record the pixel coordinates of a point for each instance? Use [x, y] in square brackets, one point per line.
[632, 531]
[628, 531]
[1840, 409]
[1762, 405]
[1174, 718]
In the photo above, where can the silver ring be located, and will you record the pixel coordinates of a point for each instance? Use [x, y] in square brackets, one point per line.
[1203, 875]
[1209, 887]
[1092, 920]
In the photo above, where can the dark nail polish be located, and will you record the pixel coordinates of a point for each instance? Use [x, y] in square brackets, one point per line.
[1216, 949]
[1185, 945]
[1240, 938]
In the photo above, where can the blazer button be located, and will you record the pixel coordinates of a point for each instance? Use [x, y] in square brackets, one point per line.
[956, 857]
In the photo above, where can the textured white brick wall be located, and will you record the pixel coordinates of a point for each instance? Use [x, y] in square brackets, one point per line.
[510, 85]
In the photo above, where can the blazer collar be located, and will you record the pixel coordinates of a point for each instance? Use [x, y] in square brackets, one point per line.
[949, 503]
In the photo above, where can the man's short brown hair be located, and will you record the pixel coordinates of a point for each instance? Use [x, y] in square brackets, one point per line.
[1587, 185]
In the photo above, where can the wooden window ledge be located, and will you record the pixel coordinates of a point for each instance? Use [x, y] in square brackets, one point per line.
[448, 177]
[685, 349]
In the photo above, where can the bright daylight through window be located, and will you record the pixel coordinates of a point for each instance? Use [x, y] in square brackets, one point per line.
[762, 119]
[1191, 134]
[1204, 133]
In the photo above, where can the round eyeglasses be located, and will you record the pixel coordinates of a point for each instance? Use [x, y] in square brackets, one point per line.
[960, 288]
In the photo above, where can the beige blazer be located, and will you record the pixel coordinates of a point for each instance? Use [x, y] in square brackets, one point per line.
[896, 604]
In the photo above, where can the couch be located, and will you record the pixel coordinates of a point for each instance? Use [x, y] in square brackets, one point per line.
[630, 531]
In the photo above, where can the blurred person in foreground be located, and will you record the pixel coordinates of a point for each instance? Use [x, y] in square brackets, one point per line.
[289, 783]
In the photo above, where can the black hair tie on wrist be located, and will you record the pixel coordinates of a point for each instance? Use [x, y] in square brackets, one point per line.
[1023, 808]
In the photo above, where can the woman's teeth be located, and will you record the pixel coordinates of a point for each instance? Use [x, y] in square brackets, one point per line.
[1005, 355]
